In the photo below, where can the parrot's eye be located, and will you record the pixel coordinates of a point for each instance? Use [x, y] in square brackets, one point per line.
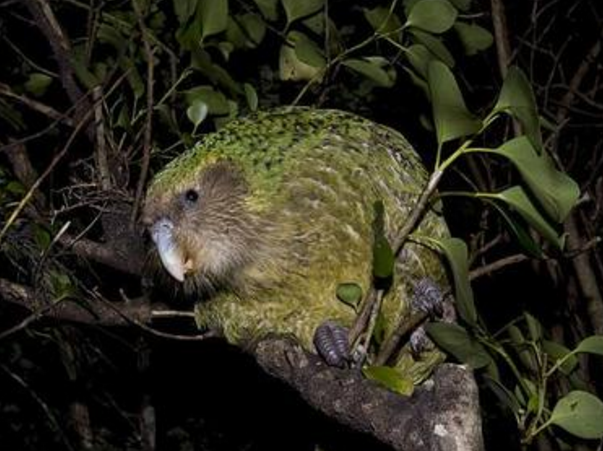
[191, 196]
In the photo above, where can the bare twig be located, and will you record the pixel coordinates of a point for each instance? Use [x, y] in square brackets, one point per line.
[45, 408]
[583, 269]
[393, 342]
[61, 47]
[501, 38]
[497, 265]
[28, 196]
[148, 132]
[97, 311]
[36, 106]
[102, 253]
[102, 161]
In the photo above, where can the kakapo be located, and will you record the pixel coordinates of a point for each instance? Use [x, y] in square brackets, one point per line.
[264, 219]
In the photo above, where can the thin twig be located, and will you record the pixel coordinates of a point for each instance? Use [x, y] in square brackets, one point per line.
[392, 344]
[417, 213]
[497, 265]
[372, 322]
[148, 132]
[36, 106]
[47, 411]
[61, 48]
[102, 161]
[28, 196]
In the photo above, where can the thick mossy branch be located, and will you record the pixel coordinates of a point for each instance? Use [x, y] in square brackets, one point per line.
[442, 414]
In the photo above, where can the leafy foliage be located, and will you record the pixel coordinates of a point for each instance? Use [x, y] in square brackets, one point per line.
[211, 60]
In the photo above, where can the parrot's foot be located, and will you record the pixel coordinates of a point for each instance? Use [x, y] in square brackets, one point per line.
[331, 342]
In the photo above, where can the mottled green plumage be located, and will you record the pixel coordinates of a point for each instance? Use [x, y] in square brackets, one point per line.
[311, 179]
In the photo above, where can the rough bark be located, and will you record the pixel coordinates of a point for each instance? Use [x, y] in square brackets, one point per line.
[443, 414]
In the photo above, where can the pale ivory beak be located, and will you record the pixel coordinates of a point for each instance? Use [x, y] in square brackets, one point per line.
[162, 233]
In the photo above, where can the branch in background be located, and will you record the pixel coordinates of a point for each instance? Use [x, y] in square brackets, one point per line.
[503, 46]
[95, 313]
[501, 37]
[25, 173]
[94, 310]
[32, 190]
[119, 259]
[61, 49]
[583, 269]
[102, 161]
[148, 131]
[36, 106]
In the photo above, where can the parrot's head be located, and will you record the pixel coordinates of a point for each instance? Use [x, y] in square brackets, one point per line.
[202, 230]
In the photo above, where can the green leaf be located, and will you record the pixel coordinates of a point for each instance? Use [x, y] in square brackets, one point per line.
[556, 192]
[409, 5]
[300, 58]
[451, 117]
[38, 83]
[373, 69]
[254, 27]
[251, 96]
[383, 22]
[456, 254]
[316, 23]
[268, 8]
[197, 112]
[306, 49]
[473, 37]
[435, 46]
[505, 396]
[517, 199]
[580, 414]
[419, 57]
[390, 378]
[15, 187]
[214, 16]
[296, 9]
[216, 74]
[216, 102]
[434, 16]
[555, 351]
[133, 76]
[184, 9]
[422, 85]
[349, 293]
[87, 78]
[517, 99]
[518, 230]
[534, 327]
[592, 345]
[41, 236]
[455, 340]
[383, 255]
[524, 351]
[245, 31]
[61, 285]
[291, 68]
[383, 259]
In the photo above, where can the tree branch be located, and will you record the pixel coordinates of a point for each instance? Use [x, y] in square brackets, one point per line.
[442, 414]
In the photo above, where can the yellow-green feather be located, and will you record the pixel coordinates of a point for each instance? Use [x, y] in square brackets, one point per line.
[314, 175]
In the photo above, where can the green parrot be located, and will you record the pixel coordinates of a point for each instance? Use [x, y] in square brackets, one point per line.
[262, 221]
